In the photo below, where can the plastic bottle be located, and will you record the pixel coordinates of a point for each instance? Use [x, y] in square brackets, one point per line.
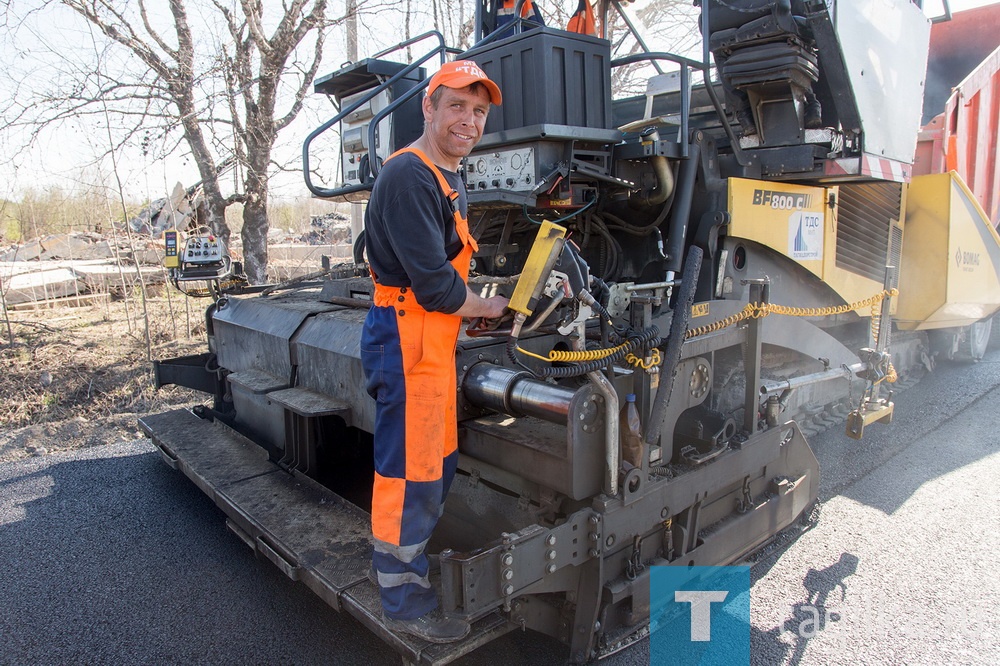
[631, 433]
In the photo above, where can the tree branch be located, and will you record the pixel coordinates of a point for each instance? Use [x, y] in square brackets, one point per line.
[152, 33]
[252, 11]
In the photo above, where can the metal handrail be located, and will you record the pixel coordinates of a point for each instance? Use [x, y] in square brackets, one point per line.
[635, 32]
[686, 64]
[440, 49]
[704, 67]
[414, 40]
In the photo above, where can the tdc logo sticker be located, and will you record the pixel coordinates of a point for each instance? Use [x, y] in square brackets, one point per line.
[699, 615]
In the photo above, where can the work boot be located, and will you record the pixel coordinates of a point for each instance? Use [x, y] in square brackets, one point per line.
[813, 115]
[433, 627]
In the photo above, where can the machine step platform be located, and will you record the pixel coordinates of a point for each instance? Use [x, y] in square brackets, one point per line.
[309, 532]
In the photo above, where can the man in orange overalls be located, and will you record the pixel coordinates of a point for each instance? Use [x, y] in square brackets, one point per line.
[419, 248]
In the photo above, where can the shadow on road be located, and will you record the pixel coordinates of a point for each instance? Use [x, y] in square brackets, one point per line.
[808, 618]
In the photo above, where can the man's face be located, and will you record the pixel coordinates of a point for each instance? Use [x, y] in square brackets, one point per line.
[455, 125]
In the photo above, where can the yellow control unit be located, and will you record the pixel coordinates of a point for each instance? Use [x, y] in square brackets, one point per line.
[171, 259]
[543, 255]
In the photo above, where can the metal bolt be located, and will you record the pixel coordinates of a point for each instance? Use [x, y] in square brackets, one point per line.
[550, 555]
[593, 520]
[507, 559]
[507, 574]
[610, 541]
[551, 568]
[551, 539]
[508, 590]
[593, 552]
[664, 512]
[592, 536]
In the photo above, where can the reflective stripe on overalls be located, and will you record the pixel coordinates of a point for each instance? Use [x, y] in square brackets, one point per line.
[408, 356]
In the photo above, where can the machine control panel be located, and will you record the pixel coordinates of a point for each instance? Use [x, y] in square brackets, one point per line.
[354, 129]
[515, 169]
[203, 250]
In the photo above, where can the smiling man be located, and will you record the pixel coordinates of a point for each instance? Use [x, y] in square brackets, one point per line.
[419, 249]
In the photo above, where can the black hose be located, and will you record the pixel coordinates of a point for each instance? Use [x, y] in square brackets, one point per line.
[677, 233]
[359, 248]
[614, 249]
[675, 339]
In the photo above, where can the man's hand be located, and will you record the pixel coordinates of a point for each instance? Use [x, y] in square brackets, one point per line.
[497, 307]
[477, 306]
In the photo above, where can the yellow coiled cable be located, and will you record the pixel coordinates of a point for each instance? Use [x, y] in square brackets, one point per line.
[654, 360]
[556, 355]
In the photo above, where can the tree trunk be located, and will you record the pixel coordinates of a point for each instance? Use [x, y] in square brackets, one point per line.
[215, 207]
[255, 238]
[255, 224]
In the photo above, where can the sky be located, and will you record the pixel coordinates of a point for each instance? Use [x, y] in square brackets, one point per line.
[58, 156]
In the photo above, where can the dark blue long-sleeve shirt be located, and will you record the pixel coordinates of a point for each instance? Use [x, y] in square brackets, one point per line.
[410, 233]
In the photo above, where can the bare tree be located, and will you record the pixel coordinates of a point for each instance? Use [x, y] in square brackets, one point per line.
[224, 80]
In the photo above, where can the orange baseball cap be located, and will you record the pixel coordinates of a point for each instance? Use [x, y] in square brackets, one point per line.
[462, 73]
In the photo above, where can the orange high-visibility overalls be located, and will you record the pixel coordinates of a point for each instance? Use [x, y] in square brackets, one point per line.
[408, 355]
[583, 21]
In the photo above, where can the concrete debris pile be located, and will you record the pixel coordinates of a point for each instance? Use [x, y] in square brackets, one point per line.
[81, 267]
[77, 268]
[178, 211]
[328, 229]
[49, 280]
[85, 246]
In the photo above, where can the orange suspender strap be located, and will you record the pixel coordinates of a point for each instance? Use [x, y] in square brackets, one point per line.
[450, 193]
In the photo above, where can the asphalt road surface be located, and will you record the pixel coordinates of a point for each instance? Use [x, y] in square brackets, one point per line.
[109, 556]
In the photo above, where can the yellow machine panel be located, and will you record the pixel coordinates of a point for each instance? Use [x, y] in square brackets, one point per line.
[950, 258]
[543, 254]
[798, 222]
[171, 258]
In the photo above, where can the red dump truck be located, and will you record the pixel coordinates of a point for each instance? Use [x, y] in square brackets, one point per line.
[962, 104]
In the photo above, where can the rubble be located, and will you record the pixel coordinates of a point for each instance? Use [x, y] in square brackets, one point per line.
[173, 212]
[79, 266]
[331, 228]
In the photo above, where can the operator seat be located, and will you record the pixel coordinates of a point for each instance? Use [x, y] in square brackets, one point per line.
[767, 64]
